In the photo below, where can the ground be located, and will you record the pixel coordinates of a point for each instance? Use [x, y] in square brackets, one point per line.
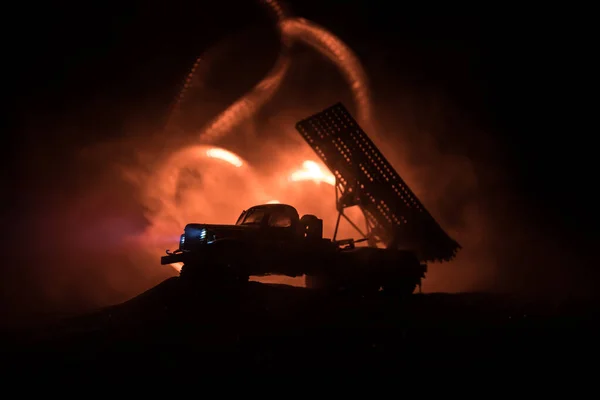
[266, 327]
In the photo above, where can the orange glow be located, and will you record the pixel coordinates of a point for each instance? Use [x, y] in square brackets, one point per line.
[116, 202]
[225, 155]
[177, 266]
[186, 188]
[311, 171]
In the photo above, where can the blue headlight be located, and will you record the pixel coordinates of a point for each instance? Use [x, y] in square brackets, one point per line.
[202, 234]
[181, 240]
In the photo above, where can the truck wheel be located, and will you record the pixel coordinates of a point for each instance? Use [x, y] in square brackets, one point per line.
[370, 290]
[230, 274]
[211, 274]
[189, 272]
[319, 282]
[361, 290]
[400, 288]
[314, 282]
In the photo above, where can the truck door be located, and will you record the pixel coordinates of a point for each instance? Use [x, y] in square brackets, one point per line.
[280, 241]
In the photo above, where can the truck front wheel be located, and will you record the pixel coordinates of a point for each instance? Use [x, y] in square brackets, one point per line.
[400, 287]
[318, 282]
[213, 274]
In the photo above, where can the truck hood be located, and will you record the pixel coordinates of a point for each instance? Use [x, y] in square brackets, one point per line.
[218, 231]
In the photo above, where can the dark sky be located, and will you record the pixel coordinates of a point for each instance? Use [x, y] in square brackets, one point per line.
[521, 77]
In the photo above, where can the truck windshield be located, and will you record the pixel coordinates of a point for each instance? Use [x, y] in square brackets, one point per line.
[241, 218]
[253, 217]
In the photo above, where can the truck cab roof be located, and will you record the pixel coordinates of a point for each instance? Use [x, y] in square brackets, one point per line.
[278, 214]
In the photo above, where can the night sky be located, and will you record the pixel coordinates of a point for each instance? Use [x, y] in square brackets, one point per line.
[76, 74]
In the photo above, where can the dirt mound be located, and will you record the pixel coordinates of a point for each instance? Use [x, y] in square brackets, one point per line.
[264, 326]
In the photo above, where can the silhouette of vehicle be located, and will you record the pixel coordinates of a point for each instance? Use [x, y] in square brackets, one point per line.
[400, 237]
[273, 239]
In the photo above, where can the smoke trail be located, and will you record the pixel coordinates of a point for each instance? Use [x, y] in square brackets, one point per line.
[163, 186]
[321, 40]
[247, 105]
[339, 54]
[290, 30]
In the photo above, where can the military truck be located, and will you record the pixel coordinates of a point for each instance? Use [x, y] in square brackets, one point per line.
[273, 239]
[400, 235]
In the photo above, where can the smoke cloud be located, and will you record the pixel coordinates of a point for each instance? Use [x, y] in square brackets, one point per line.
[126, 200]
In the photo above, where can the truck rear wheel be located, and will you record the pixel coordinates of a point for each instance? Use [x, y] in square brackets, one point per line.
[332, 285]
[400, 288]
[189, 272]
[403, 272]
[318, 282]
[213, 273]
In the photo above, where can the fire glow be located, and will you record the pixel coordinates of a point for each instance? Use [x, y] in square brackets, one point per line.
[310, 171]
[313, 172]
[225, 155]
[186, 187]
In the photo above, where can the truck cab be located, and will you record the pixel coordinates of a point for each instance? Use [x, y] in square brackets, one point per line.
[281, 221]
[268, 236]
[275, 218]
[267, 223]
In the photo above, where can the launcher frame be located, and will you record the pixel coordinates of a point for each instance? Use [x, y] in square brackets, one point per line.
[394, 216]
